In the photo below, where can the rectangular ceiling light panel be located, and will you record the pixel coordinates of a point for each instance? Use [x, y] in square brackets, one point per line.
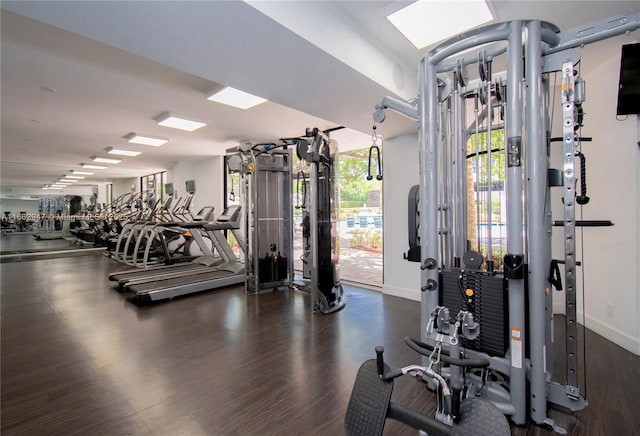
[180, 122]
[105, 160]
[74, 177]
[236, 98]
[93, 167]
[118, 152]
[84, 173]
[425, 22]
[154, 141]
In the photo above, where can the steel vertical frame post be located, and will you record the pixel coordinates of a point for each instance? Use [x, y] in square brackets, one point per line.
[428, 160]
[313, 212]
[569, 151]
[255, 213]
[537, 175]
[489, 170]
[515, 222]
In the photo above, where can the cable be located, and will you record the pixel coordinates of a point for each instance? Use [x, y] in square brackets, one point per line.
[553, 99]
[584, 327]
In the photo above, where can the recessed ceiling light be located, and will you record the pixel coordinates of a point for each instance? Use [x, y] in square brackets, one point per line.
[63, 180]
[154, 141]
[425, 22]
[236, 98]
[84, 173]
[117, 151]
[57, 188]
[93, 167]
[168, 119]
[74, 177]
[105, 160]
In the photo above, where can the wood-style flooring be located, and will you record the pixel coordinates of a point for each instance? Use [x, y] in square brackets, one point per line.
[79, 359]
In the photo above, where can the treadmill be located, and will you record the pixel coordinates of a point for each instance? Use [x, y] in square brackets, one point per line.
[230, 217]
[175, 284]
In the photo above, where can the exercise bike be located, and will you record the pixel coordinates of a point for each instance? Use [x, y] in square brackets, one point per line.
[370, 404]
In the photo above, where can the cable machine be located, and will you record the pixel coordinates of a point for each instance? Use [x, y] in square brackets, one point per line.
[320, 258]
[472, 307]
[265, 171]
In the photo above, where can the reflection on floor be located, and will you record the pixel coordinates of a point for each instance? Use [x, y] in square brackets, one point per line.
[17, 247]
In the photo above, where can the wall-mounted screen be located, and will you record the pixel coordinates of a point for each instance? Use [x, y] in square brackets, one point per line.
[629, 85]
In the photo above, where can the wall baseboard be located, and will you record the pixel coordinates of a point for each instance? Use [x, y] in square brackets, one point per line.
[616, 336]
[409, 294]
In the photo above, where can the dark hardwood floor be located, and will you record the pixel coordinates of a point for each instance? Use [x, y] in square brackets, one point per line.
[79, 359]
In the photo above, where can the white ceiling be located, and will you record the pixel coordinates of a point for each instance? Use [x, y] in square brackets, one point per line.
[116, 65]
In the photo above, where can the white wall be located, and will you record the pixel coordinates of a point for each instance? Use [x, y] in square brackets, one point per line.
[102, 193]
[123, 186]
[208, 175]
[611, 258]
[400, 160]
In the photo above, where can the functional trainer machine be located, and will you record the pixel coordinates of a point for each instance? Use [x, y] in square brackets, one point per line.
[320, 256]
[265, 171]
[470, 310]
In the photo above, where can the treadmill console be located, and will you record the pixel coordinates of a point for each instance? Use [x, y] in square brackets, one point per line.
[230, 214]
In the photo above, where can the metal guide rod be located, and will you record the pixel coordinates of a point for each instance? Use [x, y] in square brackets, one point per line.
[477, 144]
[461, 178]
[489, 168]
[568, 106]
[515, 219]
[548, 252]
[536, 175]
[447, 195]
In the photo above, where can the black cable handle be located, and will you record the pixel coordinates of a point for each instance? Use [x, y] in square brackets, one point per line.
[378, 161]
[582, 199]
